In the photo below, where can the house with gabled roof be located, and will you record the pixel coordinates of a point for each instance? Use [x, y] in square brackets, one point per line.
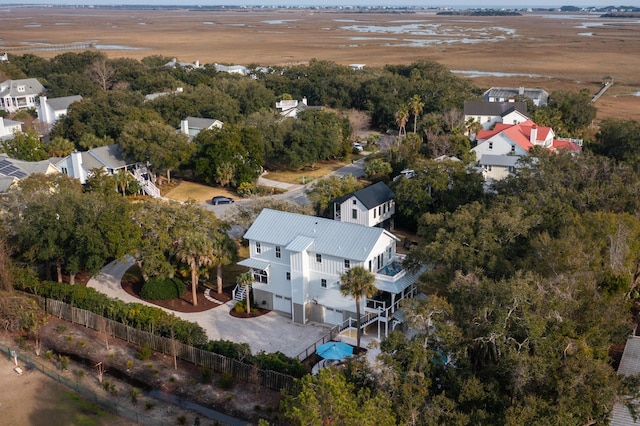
[110, 158]
[296, 262]
[370, 206]
[191, 126]
[292, 107]
[19, 94]
[8, 128]
[51, 110]
[509, 94]
[515, 140]
[489, 113]
[12, 170]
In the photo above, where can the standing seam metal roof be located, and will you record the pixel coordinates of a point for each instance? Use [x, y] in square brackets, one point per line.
[330, 237]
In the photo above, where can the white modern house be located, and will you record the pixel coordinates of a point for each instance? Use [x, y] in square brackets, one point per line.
[509, 94]
[499, 149]
[19, 94]
[489, 113]
[191, 126]
[296, 262]
[8, 128]
[51, 110]
[370, 206]
[82, 165]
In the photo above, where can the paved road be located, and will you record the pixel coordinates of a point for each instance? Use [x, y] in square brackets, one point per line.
[270, 333]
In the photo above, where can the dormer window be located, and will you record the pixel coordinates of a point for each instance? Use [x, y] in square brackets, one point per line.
[21, 88]
[258, 248]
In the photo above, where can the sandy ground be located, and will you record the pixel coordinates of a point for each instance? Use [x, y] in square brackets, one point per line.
[552, 51]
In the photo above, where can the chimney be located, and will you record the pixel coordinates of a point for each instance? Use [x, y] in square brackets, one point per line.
[304, 100]
[521, 91]
[534, 134]
[76, 167]
[184, 127]
[197, 64]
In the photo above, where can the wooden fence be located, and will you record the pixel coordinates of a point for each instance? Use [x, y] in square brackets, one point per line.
[222, 364]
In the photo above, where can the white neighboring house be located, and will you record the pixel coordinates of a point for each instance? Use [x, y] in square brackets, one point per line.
[81, 165]
[292, 107]
[12, 170]
[370, 206]
[489, 113]
[51, 110]
[8, 128]
[19, 94]
[629, 366]
[509, 94]
[296, 262]
[174, 63]
[515, 140]
[232, 69]
[191, 126]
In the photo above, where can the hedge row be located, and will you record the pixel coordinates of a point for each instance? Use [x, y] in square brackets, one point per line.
[160, 288]
[136, 315]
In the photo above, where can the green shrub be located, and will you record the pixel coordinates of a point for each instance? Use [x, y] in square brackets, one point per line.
[239, 351]
[246, 189]
[144, 353]
[240, 307]
[134, 393]
[281, 363]
[225, 381]
[206, 375]
[161, 288]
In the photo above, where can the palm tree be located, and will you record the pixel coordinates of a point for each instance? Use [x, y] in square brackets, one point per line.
[415, 105]
[402, 116]
[224, 251]
[358, 282]
[245, 279]
[196, 250]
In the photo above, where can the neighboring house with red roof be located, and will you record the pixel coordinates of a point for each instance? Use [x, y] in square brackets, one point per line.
[515, 140]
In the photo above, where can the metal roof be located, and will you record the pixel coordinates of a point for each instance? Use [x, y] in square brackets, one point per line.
[255, 264]
[371, 196]
[199, 123]
[629, 365]
[330, 237]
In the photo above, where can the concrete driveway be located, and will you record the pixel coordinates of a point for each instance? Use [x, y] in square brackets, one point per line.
[269, 333]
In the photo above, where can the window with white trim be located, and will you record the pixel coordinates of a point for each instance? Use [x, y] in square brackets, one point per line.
[278, 254]
[260, 276]
[288, 276]
[347, 263]
[258, 248]
[323, 283]
[318, 258]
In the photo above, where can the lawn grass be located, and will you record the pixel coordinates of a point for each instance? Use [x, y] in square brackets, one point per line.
[320, 169]
[186, 191]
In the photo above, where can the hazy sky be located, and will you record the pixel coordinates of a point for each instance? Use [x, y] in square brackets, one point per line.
[429, 3]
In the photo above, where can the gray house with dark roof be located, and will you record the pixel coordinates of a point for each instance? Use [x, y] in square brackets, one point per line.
[19, 94]
[370, 206]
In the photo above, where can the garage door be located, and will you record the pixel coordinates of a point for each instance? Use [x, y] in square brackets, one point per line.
[281, 303]
[332, 316]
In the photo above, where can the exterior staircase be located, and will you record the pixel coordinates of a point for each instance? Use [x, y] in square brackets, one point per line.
[144, 179]
[239, 293]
